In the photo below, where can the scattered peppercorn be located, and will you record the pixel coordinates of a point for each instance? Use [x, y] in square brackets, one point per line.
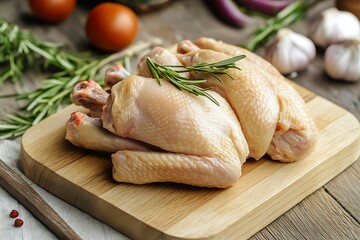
[14, 214]
[18, 222]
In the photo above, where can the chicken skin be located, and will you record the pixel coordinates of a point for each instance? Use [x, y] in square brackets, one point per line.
[203, 143]
[252, 99]
[158, 133]
[115, 74]
[87, 132]
[265, 104]
[161, 56]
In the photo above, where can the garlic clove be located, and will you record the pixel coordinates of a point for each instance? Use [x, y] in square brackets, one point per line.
[334, 26]
[342, 60]
[290, 52]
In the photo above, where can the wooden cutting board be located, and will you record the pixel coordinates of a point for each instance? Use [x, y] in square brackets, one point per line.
[266, 190]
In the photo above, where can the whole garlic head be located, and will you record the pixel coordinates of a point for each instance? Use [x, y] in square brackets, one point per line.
[290, 52]
[342, 60]
[334, 26]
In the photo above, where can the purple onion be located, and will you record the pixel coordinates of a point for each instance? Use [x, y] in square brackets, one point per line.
[270, 7]
[228, 11]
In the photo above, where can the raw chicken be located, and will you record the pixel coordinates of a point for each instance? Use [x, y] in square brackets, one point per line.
[90, 95]
[252, 98]
[160, 134]
[87, 132]
[115, 74]
[204, 143]
[219, 46]
[264, 102]
[161, 56]
[296, 133]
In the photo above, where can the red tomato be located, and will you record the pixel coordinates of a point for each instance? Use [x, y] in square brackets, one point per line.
[52, 10]
[111, 26]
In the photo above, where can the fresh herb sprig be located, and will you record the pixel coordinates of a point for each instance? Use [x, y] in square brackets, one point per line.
[284, 18]
[54, 92]
[19, 49]
[172, 74]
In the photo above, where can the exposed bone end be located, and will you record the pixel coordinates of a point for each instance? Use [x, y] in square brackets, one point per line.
[87, 132]
[79, 121]
[76, 118]
[90, 95]
[292, 145]
[72, 125]
[115, 74]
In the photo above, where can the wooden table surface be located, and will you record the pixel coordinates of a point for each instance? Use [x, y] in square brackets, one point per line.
[332, 212]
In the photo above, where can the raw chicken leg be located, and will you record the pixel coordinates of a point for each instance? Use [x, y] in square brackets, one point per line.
[89, 94]
[205, 143]
[115, 74]
[87, 132]
[295, 133]
[161, 134]
[252, 98]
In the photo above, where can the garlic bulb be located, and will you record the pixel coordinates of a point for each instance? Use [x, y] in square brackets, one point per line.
[290, 52]
[342, 60]
[334, 26]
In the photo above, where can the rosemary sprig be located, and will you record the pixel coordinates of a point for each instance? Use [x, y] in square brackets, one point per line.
[285, 17]
[55, 91]
[20, 49]
[173, 74]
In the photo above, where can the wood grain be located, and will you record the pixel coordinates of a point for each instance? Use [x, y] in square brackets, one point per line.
[266, 190]
[313, 211]
[27, 196]
[345, 185]
[173, 24]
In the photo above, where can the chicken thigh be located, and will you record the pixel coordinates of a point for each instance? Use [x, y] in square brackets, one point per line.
[252, 98]
[204, 143]
[272, 114]
[158, 133]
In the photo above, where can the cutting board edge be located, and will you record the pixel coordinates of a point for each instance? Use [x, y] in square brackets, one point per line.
[137, 230]
[352, 158]
[139, 226]
[28, 164]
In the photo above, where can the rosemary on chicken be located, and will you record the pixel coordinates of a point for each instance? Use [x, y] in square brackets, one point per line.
[172, 74]
[19, 49]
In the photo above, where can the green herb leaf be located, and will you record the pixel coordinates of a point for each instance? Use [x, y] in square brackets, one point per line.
[20, 49]
[171, 73]
[284, 18]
